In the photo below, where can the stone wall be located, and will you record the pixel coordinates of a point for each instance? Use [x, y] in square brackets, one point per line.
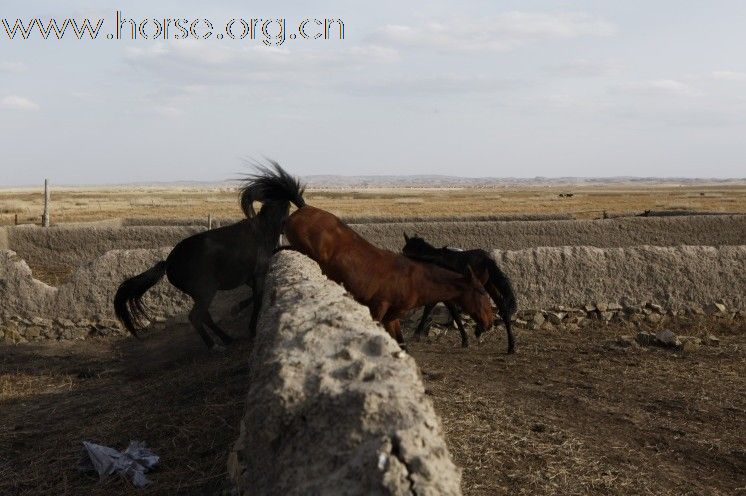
[334, 406]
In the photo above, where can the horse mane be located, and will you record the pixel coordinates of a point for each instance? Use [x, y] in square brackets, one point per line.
[270, 182]
[424, 251]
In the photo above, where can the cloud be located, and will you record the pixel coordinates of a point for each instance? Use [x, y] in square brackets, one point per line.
[16, 102]
[427, 85]
[500, 33]
[656, 87]
[729, 76]
[584, 68]
[12, 67]
[196, 62]
[696, 117]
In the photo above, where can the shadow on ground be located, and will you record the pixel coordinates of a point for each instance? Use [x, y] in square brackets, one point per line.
[166, 389]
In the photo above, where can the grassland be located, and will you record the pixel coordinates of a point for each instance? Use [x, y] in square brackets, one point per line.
[87, 203]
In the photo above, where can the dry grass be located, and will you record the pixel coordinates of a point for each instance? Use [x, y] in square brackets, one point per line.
[86, 204]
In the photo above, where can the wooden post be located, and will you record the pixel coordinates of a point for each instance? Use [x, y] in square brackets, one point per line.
[45, 216]
[209, 221]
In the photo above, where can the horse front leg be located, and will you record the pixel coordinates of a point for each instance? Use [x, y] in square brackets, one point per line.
[258, 280]
[422, 328]
[393, 327]
[457, 318]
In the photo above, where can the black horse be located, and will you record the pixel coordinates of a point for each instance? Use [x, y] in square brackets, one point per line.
[496, 283]
[218, 259]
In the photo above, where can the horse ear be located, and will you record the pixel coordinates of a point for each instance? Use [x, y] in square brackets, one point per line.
[406, 238]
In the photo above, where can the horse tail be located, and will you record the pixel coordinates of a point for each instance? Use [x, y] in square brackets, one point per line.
[503, 285]
[128, 305]
[270, 184]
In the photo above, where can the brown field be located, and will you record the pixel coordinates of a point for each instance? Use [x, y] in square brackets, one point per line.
[570, 413]
[87, 204]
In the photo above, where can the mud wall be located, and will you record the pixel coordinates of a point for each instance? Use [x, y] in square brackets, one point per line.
[32, 310]
[89, 294]
[672, 277]
[334, 407]
[76, 245]
[607, 233]
[352, 219]
[72, 246]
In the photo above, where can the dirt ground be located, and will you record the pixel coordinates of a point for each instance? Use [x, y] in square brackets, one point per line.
[168, 390]
[570, 413]
[574, 413]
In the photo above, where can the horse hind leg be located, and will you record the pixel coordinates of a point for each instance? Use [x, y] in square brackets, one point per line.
[197, 318]
[225, 338]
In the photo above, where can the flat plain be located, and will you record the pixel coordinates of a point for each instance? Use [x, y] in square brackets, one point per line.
[75, 204]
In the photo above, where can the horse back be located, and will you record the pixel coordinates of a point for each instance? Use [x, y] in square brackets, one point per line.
[365, 270]
[220, 258]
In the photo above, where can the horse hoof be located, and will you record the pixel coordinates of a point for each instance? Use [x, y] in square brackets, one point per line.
[465, 344]
[217, 348]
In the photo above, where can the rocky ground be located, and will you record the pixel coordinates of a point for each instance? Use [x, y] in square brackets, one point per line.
[583, 411]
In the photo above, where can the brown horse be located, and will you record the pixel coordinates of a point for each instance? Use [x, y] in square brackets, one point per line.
[388, 283]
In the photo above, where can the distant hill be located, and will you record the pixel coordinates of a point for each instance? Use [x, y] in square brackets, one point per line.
[436, 181]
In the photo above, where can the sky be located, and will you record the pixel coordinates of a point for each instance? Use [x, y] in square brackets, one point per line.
[484, 88]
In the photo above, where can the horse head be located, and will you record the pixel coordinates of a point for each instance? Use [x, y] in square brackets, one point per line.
[476, 302]
[415, 246]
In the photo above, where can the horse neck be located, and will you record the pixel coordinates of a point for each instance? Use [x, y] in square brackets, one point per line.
[429, 254]
[270, 219]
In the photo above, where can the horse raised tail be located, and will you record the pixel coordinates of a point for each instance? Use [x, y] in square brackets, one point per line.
[505, 300]
[504, 287]
[128, 305]
[270, 184]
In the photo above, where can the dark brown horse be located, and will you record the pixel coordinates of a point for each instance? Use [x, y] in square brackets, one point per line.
[494, 280]
[388, 283]
[218, 259]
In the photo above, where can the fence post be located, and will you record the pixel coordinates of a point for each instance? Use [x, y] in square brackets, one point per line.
[209, 221]
[45, 215]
